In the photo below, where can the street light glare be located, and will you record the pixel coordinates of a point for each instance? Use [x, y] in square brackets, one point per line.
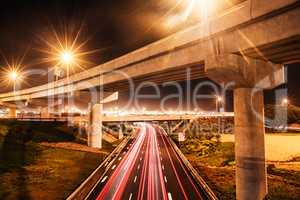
[285, 101]
[13, 75]
[67, 57]
[66, 50]
[201, 10]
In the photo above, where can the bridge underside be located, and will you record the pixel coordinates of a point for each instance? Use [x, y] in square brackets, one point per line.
[285, 51]
[178, 74]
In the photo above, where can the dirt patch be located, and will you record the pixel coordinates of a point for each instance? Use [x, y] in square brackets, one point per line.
[74, 146]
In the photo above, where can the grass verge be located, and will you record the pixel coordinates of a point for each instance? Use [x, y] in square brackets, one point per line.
[30, 170]
[217, 166]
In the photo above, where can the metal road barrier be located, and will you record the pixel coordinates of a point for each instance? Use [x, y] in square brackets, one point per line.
[84, 189]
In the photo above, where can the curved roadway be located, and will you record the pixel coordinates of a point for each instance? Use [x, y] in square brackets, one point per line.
[148, 168]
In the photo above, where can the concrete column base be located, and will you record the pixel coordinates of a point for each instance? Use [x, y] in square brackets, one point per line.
[12, 113]
[95, 132]
[120, 133]
[251, 175]
[45, 113]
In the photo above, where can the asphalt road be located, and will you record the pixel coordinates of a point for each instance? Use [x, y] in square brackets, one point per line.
[147, 168]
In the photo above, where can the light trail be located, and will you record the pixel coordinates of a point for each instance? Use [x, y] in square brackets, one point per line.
[149, 170]
[116, 184]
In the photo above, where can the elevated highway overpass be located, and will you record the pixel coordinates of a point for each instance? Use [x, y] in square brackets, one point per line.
[266, 30]
[246, 45]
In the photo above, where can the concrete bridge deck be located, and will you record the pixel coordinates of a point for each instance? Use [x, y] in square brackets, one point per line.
[243, 30]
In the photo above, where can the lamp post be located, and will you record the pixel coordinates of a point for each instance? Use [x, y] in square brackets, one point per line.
[67, 58]
[14, 76]
[218, 101]
[57, 72]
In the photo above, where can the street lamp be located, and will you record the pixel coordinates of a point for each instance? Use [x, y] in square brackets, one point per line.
[67, 57]
[219, 99]
[14, 76]
[285, 101]
[57, 72]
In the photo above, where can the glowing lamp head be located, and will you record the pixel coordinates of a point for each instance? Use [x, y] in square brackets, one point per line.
[67, 57]
[13, 75]
[285, 101]
[219, 99]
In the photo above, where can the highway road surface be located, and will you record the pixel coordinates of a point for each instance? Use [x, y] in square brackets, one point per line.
[147, 168]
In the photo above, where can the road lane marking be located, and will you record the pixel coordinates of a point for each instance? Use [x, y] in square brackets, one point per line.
[113, 167]
[110, 163]
[106, 164]
[163, 167]
[141, 159]
[166, 179]
[169, 196]
[139, 166]
[119, 158]
[130, 196]
[104, 179]
[135, 179]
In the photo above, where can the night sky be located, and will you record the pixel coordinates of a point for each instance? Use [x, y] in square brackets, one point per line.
[112, 28]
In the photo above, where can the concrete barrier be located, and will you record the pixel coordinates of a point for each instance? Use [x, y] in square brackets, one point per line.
[84, 189]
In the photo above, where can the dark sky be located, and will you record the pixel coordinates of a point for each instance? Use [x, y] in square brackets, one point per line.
[112, 27]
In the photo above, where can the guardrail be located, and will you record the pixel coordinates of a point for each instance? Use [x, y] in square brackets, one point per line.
[38, 119]
[85, 188]
[206, 189]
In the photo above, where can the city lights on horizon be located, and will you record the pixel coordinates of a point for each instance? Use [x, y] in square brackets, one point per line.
[219, 98]
[285, 101]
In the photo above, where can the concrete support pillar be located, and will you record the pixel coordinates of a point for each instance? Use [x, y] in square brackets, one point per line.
[251, 175]
[121, 135]
[45, 113]
[12, 113]
[95, 132]
[245, 75]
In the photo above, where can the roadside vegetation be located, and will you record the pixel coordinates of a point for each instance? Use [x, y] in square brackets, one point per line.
[36, 161]
[215, 162]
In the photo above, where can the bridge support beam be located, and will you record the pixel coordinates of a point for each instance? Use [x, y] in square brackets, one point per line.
[121, 135]
[247, 77]
[95, 130]
[45, 113]
[12, 113]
